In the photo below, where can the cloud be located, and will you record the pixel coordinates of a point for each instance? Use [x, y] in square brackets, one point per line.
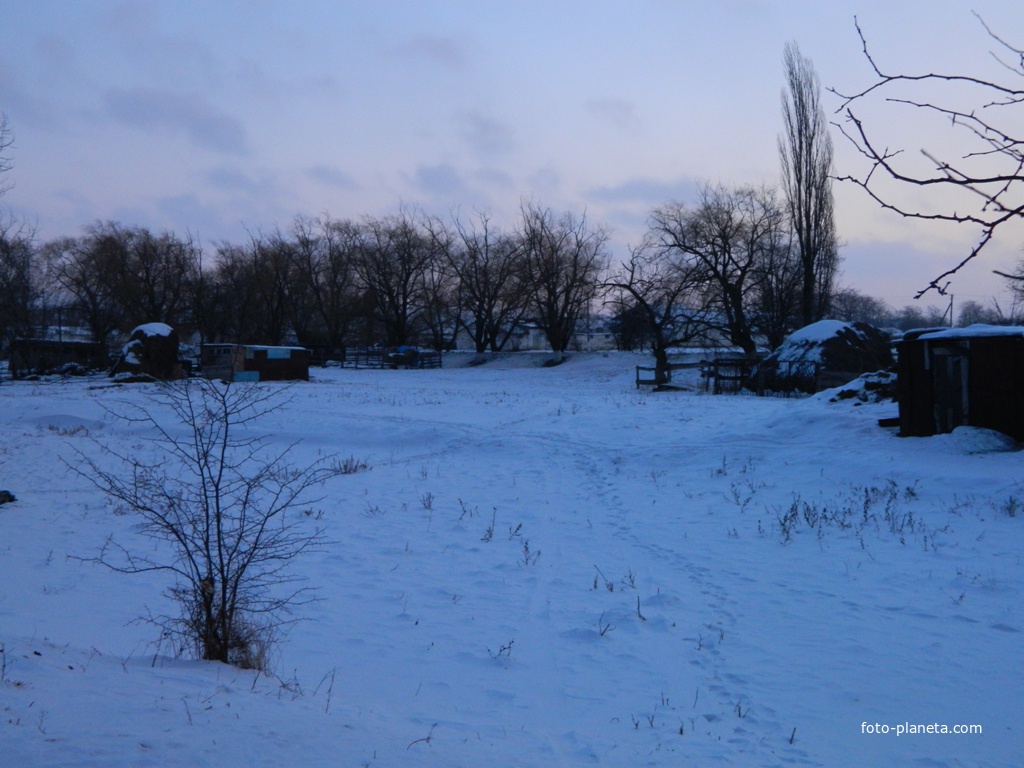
[441, 180]
[486, 135]
[183, 114]
[141, 31]
[18, 99]
[232, 179]
[208, 221]
[58, 61]
[627, 205]
[131, 16]
[187, 212]
[494, 178]
[437, 49]
[620, 113]
[649, 192]
[331, 177]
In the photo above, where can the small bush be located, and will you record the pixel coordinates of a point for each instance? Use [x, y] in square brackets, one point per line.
[228, 507]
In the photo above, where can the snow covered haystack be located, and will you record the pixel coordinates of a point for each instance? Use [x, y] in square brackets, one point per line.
[825, 354]
[151, 351]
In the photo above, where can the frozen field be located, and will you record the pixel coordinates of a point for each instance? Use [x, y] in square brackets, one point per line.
[542, 567]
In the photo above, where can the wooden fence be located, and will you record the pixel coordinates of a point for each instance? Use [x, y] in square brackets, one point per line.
[378, 358]
[736, 374]
[647, 376]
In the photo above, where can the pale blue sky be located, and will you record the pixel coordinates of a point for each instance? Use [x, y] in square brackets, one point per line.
[219, 116]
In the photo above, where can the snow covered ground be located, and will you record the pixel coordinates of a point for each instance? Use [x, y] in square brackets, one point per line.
[671, 579]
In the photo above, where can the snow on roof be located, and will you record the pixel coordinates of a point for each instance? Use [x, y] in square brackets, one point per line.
[153, 329]
[974, 331]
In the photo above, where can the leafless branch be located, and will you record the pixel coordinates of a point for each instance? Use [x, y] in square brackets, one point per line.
[998, 191]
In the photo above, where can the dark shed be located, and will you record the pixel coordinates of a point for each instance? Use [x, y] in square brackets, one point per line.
[255, 362]
[37, 356]
[954, 377]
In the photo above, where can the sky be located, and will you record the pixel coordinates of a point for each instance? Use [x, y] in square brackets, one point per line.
[222, 118]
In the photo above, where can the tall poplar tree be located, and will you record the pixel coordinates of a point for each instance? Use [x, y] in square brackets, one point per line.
[805, 149]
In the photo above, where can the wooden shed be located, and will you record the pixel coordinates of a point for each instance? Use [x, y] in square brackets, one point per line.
[254, 362]
[952, 377]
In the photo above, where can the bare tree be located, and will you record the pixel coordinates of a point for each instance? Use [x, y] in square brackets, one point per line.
[231, 303]
[6, 142]
[152, 277]
[777, 277]
[442, 294]
[1015, 283]
[664, 291]
[725, 239]
[206, 309]
[121, 276]
[19, 281]
[394, 256]
[225, 509]
[850, 306]
[563, 260]
[806, 152]
[325, 253]
[970, 312]
[286, 285]
[18, 284]
[275, 284]
[80, 269]
[489, 267]
[254, 288]
[982, 187]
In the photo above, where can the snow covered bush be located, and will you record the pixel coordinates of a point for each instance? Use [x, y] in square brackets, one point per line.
[226, 508]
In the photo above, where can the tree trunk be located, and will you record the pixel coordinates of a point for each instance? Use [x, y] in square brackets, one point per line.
[662, 373]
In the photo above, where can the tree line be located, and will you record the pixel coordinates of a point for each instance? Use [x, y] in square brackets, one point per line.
[402, 279]
[741, 263]
[413, 279]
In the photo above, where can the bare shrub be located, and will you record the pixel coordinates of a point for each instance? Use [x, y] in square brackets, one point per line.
[226, 506]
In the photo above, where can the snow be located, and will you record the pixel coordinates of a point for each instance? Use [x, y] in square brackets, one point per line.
[974, 331]
[978, 440]
[818, 332]
[153, 329]
[672, 578]
[805, 345]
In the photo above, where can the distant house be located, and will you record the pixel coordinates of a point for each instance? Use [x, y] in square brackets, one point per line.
[592, 334]
[254, 362]
[952, 377]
